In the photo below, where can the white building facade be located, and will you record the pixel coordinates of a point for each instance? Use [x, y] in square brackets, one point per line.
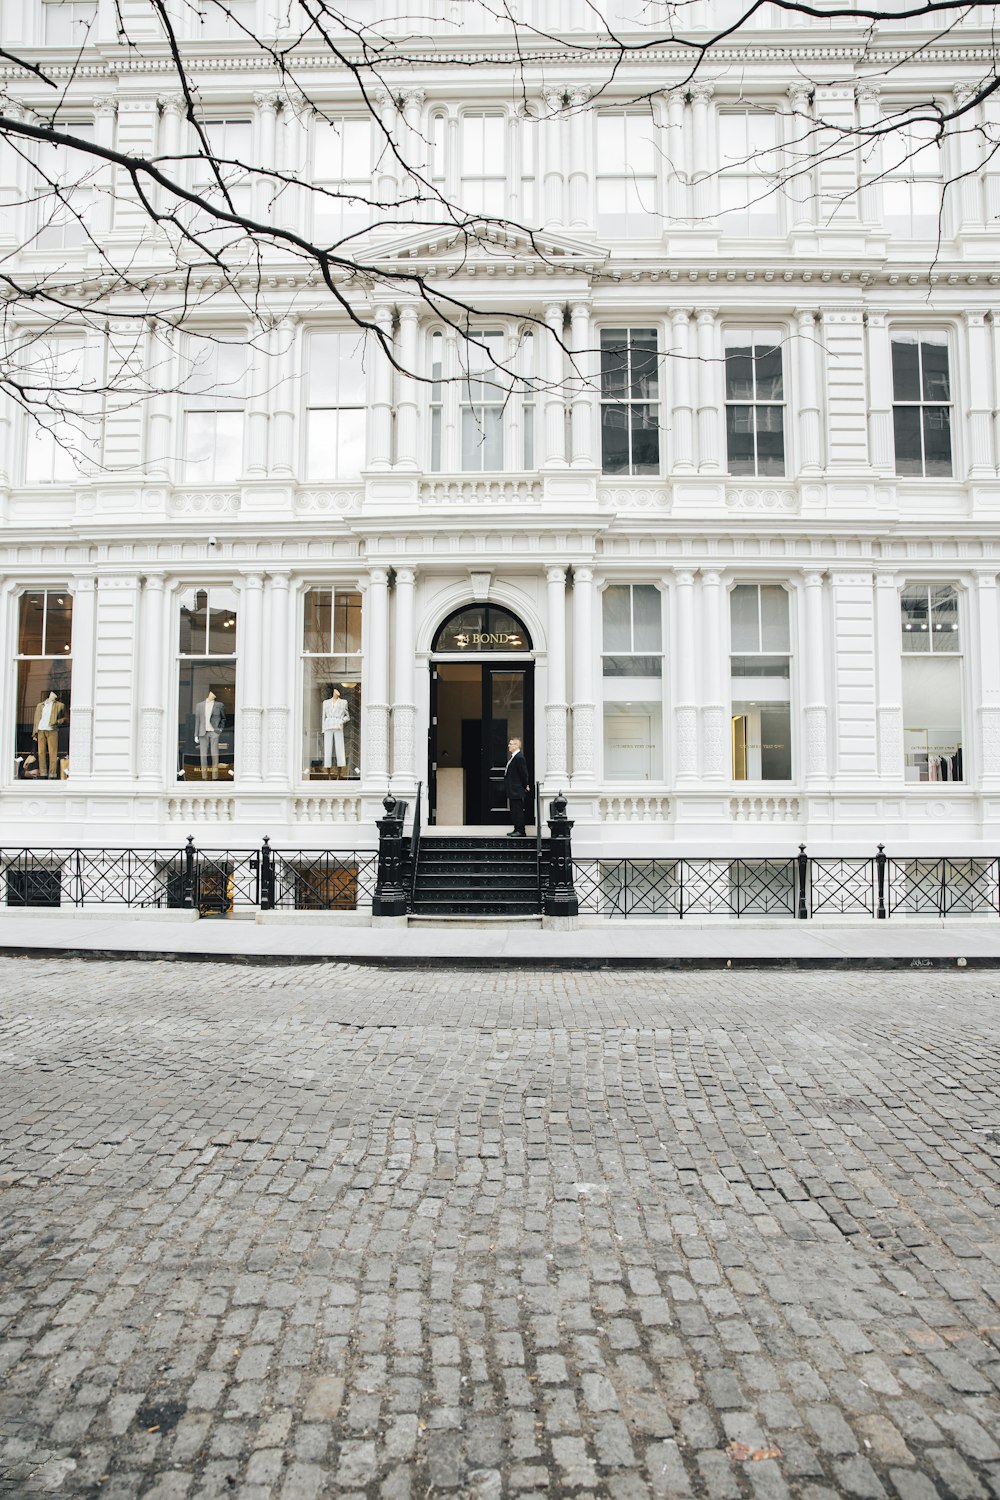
[725, 557]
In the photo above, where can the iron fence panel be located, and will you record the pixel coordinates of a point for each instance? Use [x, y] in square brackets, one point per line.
[842, 887]
[226, 880]
[942, 887]
[324, 879]
[739, 887]
[92, 877]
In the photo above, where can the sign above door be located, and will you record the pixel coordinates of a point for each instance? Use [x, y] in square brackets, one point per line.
[476, 628]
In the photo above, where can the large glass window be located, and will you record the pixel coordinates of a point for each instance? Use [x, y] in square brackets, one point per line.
[932, 682]
[336, 405]
[483, 396]
[44, 669]
[760, 682]
[206, 713]
[331, 685]
[64, 425]
[214, 401]
[68, 23]
[630, 405]
[912, 180]
[755, 402]
[221, 176]
[921, 403]
[342, 177]
[628, 152]
[632, 660]
[748, 171]
[481, 401]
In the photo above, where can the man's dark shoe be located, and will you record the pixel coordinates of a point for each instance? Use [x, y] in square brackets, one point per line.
[516, 835]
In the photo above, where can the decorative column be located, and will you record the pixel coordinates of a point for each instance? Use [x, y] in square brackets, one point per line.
[714, 676]
[889, 676]
[584, 706]
[676, 159]
[989, 679]
[380, 428]
[808, 413]
[81, 715]
[686, 656]
[800, 149]
[555, 391]
[251, 667]
[813, 678]
[964, 138]
[584, 387]
[151, 695]
[404, 711]
[278, 711]
[284, 396]
[555, 707]
[680, 373]
[260, 354]
[980, 438]
[172, 110]
[105, 110]
[579, 123]
[880, 438]
[703, 133]
[386, 182]
[869, 103]
[414, 148]
[376, 761]
[406, 398]
[162, 357]
[553, 158]
[264, 185]
[709, 380]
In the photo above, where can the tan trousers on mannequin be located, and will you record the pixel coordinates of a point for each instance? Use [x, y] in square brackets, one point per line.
[48, 752]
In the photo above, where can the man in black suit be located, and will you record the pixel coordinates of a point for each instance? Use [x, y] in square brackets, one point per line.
[517, 785]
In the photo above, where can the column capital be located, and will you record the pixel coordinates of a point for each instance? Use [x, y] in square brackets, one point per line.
[974, 318]
[706, 315]
[83, 585]
[408, 313]
[171, 104]
[963, 92]
[712, 579]
[384, 98]
[805, 314]
[868, 92]
[799, 95]
[701, 93]
[405, 576]
[679, 314]
[555, 574]
[813, 578]
[279, 580]
[554, 311]
[986, 581]
[252, 580]
[413, 98]
[153, 583]
[268, 100]
[378, 577]
[383, 316]
[582, 573]
[685, 578]
[578, 94]
[553, 100]
[105, 104]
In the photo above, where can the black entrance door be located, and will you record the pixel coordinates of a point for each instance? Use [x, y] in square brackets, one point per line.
[476, 707]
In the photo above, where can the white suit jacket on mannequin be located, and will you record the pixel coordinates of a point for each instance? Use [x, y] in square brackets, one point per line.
[335, 713]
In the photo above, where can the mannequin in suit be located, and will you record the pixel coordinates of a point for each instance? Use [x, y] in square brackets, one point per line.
[209, 720]
[517, 785]
[50, 713]
[336, 714]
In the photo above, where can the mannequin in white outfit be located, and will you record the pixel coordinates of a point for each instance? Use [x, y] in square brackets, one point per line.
[336, 714]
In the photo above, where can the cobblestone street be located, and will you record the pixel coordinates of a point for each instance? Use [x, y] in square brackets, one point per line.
[283, 1233]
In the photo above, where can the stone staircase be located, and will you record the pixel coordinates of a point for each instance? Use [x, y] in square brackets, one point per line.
[469, 876]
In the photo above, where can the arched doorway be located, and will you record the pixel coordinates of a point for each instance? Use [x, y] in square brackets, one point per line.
[482, 695]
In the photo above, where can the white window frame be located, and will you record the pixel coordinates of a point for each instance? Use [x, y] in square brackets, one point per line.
[629, 327]
[919, 332]
[59, 210]
[754, 190]
[780, 340]
[792, 656]
[962, 656]
[362, 403]
[354, 215]
[76, 14]
[498, 180]
[67, 446]
[647, 188]
[205, 393]
[445, 400]
[905, 172]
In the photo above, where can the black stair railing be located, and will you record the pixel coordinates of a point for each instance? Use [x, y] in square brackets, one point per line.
[415, 846]
[538, 842]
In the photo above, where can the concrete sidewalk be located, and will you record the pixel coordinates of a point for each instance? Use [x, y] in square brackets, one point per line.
[747, 943]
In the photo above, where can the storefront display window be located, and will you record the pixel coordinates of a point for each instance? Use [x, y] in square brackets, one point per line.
[44, 670]
[932, 683]
[206, 713]
[760, 675]
[331, 685]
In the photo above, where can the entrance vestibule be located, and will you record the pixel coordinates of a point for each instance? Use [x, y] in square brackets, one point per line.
[478, 704]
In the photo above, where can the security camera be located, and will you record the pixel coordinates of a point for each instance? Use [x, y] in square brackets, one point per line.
[213, 541]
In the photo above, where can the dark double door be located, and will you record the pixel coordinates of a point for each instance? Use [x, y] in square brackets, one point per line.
[476, 707]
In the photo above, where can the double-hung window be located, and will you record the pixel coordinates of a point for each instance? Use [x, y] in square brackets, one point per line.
[628, 153]
[336, 405]
[630, 404]
[755, 402]
[632, 671]
[63, 191]
[221, 173]
[921, 403]
[932, 682]
[342, 178]
[65, 409]
[749, 201]
[912, 179]
[482, 401]
[483, 174]
[760, 682]
[68, 23]
[213, 405]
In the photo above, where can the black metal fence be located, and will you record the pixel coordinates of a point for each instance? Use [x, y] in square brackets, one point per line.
[214, 882]
[801, 886]
[224, 881]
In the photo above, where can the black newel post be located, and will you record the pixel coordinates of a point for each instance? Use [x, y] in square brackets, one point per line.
[880, 863]
[560, 897]
[803, 864]
[189, 856]
[389, 899]
[266, 875]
